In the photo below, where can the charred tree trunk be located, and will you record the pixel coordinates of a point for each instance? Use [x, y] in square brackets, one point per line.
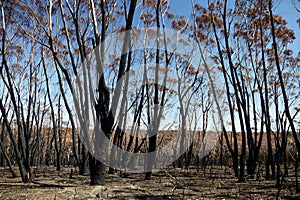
[103, 110]
[233, 150]
[58, 139]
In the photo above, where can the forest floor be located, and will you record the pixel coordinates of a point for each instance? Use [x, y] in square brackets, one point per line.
[215, 183]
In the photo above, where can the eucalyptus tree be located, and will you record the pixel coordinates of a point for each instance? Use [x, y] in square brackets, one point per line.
[83, 41]
[21, 79]
[245, 58]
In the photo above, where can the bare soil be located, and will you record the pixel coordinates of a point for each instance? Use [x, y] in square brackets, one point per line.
[214, 183]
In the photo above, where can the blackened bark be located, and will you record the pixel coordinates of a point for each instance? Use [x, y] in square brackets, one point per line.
[153, 136]
[84, 158]
[97, 171]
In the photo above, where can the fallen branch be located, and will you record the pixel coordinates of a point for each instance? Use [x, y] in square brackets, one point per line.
[176, 184]
[51, 184]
